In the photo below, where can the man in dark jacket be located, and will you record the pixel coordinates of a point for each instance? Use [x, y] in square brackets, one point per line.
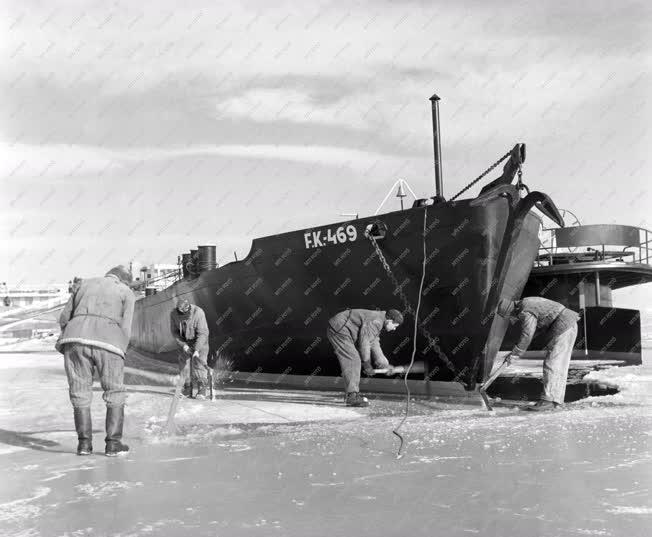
[355, 337]
[95, 331]
[190, 331]
[559, 324]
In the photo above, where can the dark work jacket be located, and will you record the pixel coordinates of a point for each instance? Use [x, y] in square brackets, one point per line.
[364, 328]
[540, 314]
[190, 329]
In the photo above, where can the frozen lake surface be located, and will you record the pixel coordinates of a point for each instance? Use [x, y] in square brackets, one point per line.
[300, 463]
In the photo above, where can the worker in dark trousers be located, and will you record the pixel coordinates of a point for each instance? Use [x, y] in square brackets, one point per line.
[190, 331]
[559, 324]
[95, 331]
[355, 337]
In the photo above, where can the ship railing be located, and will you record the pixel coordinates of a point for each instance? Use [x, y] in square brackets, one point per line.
[597, 243]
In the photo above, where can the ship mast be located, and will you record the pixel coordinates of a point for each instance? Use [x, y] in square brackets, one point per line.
[436, 139]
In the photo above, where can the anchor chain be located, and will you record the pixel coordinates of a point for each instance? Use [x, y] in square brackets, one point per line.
[489, 169]
[433, 342]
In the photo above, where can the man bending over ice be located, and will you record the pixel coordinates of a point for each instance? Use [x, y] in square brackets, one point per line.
[355, 337]
[559, 324]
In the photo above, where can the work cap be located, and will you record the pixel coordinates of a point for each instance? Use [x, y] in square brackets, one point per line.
[183, 306]
[505, 307]
[394, 315]
[121, 273]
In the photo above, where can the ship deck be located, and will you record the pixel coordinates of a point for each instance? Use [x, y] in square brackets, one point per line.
[620, 274]
[619, 254]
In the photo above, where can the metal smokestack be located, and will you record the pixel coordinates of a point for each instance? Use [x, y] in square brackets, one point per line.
[206, 258]
[185, 265]
[436, 139]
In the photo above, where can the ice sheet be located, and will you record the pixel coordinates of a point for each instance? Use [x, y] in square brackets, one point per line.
[270, 463]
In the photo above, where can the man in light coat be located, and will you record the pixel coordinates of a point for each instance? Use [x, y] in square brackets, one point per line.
[190, 331]
[95, 332]
[559, 324]
[355, 337]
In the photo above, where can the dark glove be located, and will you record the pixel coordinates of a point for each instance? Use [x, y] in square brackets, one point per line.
[368, 369]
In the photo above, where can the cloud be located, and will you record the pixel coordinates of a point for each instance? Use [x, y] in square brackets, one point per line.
[68, 162]
[184, 110]
[330, 156]
[148, 107]
[273, 105]
[48, 162]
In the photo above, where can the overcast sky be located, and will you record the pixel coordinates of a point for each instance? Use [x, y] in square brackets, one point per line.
[139, 132]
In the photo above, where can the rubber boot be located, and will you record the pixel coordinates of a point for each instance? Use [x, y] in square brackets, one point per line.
[356, 400]
[542, 406]
[187, 390]
[115, 417]
[201, 391]
[84, 429]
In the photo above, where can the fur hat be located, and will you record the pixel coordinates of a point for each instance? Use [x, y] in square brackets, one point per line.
[121, 273]
[394, 315]
[183, 305]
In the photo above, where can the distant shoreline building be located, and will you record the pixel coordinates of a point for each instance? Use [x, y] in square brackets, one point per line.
[32, 294]
[30, 310]
[156, 276]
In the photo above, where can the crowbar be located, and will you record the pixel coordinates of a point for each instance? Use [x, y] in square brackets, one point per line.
[483, 388]
[417, 367]
[210, 383]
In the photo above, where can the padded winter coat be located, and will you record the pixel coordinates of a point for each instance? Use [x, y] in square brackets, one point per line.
[98, 314]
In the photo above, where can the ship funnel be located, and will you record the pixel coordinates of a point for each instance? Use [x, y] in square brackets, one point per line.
[206, 258]
[192, 266]
[436, 139]
[185, 265]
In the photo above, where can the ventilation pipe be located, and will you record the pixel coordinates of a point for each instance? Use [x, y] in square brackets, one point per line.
[436, 139]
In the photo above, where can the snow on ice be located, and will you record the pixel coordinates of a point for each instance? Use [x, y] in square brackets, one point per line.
[266, 463]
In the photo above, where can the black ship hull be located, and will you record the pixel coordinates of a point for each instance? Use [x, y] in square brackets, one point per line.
[268, 313]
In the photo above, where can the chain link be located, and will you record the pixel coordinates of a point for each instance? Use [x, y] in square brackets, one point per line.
[490, 168]
[433, 342]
